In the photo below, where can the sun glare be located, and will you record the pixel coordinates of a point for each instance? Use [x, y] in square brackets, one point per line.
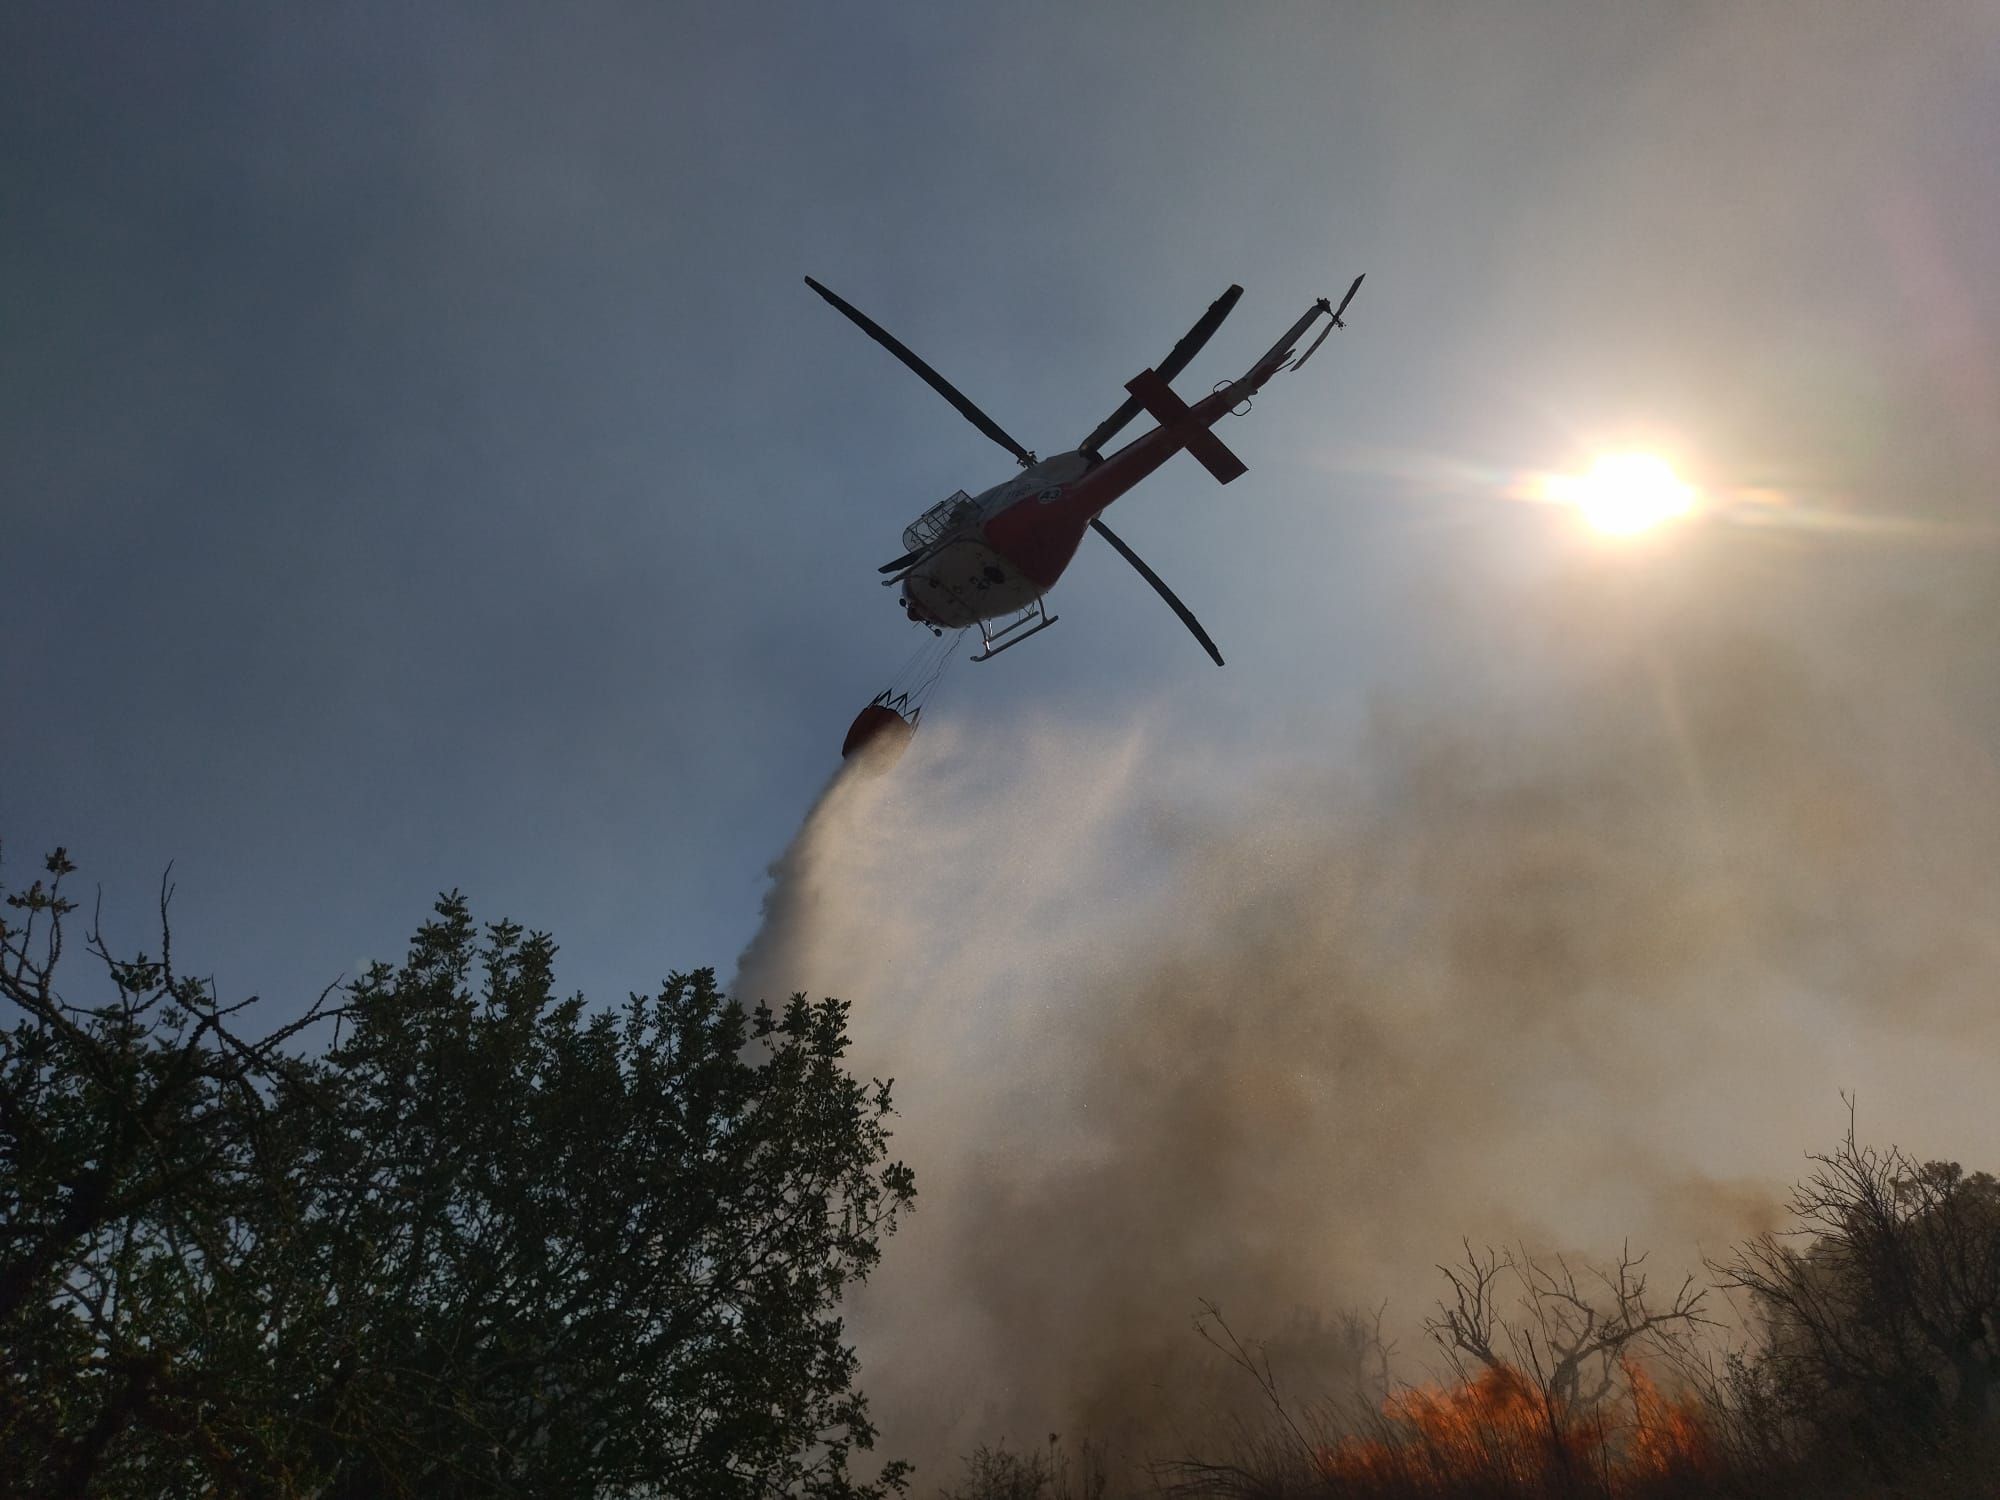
[1627, 493]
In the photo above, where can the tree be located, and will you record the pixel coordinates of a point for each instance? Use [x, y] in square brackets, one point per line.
[1883, 1330]
[445, 1234]
[1573, 1335]
[1552, 1368]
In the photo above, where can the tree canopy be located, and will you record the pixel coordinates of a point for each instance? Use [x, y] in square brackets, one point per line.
[447, 1233]
[1882, 1327]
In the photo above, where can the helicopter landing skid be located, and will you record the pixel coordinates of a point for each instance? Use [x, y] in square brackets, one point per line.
[1031, 621]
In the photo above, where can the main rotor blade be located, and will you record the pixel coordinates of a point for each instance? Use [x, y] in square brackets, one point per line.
[1175, 362]
[930, 377]
[1159, 587]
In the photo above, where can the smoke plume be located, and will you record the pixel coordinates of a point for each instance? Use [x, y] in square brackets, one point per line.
[1581, 954]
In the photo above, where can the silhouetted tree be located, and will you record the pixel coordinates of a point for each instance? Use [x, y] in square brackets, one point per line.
[1571, 1334]
[1884, 1328]
[480, 1240]
[1566, 1341]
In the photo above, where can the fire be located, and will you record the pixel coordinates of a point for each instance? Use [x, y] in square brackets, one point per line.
[1666, 1436]
[1499, 1428]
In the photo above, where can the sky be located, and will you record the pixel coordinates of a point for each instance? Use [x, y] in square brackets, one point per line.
[424, 467]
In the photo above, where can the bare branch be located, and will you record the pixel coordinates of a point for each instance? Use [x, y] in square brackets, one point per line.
[1257, 1367]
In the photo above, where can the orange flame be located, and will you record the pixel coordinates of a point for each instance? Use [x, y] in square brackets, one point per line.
[1499, 1427]
[1666, 1436]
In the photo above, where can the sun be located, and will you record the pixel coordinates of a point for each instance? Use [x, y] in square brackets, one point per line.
[1628, 493]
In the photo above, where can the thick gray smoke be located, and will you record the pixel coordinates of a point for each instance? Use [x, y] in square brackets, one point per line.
[1582, 957]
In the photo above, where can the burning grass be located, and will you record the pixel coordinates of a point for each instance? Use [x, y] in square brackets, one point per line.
[1497, 1433]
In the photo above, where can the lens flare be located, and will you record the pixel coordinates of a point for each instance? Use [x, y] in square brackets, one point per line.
[1626, 493]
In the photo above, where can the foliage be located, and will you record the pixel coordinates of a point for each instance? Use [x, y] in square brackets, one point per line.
[479, 1240]
[1883, 1331]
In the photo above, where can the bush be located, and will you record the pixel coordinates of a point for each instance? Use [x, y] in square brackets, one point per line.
[1881, 1332]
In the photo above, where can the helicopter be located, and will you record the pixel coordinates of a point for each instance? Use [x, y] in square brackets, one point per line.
[989, 560]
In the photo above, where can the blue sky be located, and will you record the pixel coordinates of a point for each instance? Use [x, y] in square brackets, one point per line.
[424, 466]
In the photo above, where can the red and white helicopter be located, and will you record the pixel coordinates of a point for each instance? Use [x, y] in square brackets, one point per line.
[976, 560]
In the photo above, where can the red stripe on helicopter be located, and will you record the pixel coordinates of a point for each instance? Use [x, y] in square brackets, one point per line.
[1039, 540]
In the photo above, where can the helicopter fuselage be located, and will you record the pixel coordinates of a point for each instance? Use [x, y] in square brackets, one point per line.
[1007, 546]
